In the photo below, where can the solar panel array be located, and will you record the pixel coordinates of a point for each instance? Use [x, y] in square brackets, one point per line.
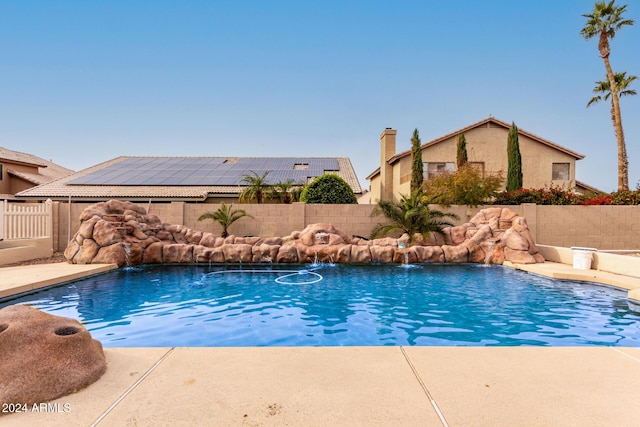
[206, 171]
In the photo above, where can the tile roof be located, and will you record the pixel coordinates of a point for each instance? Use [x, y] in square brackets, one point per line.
[47, 170]
[586, 187]
[24, 158]
[63, 188]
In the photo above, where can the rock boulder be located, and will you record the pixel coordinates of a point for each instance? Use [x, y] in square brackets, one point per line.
[44, 357]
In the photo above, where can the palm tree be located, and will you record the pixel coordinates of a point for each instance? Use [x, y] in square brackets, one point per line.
[604, 21]
[257, 186]
[225, 216]
[296, 192]
[603, 88]
[285, 192]
[410, 215]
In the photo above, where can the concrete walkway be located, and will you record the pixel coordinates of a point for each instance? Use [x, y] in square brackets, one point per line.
[336, 386]
[356, 386]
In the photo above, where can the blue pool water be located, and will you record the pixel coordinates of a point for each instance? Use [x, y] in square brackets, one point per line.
[340, 305]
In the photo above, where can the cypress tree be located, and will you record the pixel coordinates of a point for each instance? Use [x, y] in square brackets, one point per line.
[461, 154]
[514, 169]
[417, 172]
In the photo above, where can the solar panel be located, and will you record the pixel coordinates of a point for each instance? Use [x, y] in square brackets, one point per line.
[206, 171]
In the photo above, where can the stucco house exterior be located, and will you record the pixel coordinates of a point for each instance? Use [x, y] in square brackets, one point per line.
[544, 163]
[185, 179]
[21, 171]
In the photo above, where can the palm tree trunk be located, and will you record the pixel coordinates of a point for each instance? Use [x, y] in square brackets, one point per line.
[616, 117]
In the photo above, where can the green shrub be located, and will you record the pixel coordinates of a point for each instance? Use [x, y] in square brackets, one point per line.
[328, 189]
[626, 197]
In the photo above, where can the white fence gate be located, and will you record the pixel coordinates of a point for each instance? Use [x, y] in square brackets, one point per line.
[25, 220]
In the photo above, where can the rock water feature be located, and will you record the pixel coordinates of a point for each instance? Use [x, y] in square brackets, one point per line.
[124, 234]
[44, 357]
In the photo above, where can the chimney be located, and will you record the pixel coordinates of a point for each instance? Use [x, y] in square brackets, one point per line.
[387, 150]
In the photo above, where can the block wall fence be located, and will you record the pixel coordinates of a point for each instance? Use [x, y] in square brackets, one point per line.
[601, 227]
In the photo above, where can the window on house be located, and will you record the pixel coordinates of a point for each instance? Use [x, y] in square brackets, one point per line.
[432, 169]
[560, 172]
[0, 172]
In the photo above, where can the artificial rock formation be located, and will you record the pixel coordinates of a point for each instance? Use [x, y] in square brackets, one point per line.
[44, 357]
[123, 233]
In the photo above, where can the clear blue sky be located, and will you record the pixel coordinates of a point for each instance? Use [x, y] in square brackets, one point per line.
[86, 81]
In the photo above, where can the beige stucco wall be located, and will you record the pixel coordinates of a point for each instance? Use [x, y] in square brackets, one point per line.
[374, 186]
[4, 180]
[12, 251]
[13, 185]
[402, 177]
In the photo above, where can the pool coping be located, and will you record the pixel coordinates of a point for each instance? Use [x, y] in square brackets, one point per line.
[20, 279]
[567, 272]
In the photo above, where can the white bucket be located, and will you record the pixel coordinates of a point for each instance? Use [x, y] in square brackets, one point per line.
[582, 257]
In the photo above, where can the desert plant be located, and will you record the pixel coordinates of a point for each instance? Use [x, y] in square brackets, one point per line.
[603, 88]
[514, 167]
[540, 196]
[604, 21]
[296, 192]
[410, 215]
[417, 168]
[286, 191]
[225, 216]
[626, 197]
[328, 189]
[466, 186]
[257, 187]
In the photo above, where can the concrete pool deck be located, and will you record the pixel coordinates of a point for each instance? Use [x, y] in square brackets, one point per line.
[274, 386]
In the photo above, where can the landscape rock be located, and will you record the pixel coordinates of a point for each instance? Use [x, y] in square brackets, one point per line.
[360, 254]
[124, 234]
[45, 357]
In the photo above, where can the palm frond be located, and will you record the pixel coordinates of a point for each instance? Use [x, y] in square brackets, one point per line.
[411, 215]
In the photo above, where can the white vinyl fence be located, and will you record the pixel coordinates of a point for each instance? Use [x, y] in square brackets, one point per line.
[25, 220]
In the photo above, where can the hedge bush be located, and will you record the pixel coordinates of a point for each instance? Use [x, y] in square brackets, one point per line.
[328, 189]
[557, 196]
[540, 196]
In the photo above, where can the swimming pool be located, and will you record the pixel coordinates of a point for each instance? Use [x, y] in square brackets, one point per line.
[431, 304]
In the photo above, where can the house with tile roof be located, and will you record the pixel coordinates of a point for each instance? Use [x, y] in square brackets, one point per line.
[544, 163]
[22, 171]
[187, 179]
